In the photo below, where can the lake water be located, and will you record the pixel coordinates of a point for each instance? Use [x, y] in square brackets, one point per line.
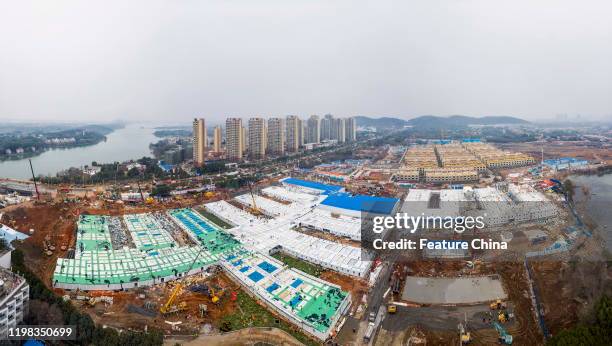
[130, 142]
[599, 202]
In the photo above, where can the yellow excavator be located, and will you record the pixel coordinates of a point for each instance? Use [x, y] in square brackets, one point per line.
[169, 306]
[214, 295]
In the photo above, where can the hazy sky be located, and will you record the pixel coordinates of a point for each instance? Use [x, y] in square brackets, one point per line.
[173, 60]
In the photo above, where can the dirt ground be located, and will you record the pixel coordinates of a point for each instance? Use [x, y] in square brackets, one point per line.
[567, 290]
[417, 336]
[514, 278]
[561, 149]
[247, 336]
[118, 315]
[53, 223]
[524, 328]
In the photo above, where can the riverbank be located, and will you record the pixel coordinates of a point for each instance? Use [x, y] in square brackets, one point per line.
[18, 146]
[128, 143]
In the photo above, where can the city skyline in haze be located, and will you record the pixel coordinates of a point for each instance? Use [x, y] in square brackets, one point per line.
[164, 61]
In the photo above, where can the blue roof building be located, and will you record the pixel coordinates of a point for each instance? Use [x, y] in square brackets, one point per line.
[362, 203]
[325, 189]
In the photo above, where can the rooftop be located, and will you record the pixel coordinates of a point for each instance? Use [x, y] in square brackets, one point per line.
[325, 188]
[9, 281]
[370, 204]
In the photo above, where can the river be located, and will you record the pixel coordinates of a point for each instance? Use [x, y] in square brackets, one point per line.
[598, 203]
[130, 142]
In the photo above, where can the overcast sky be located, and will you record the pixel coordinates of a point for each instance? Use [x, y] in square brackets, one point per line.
[173, 60]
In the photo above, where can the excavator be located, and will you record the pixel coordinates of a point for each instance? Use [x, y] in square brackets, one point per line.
[504, 337]
[215, 295]
[169, 306]
[497, 305]
[464, 336]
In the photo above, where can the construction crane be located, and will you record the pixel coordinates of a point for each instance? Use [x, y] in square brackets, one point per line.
[176, 291]
[254, 210]
[504, 337]
[34, 180]
[140, 191]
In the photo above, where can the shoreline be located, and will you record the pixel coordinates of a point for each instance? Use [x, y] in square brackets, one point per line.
[30, 155]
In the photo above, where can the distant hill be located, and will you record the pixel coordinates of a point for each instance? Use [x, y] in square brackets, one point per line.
[432, 121]
[384, 122]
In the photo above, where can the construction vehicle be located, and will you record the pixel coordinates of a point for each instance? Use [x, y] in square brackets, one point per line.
[464, 335]
[392, 308]
[168, 307]
[209, 194]
[149, 200]
[504, 316]
[372, 316]
[105, 299]
[253, 209]
[213, 296]
[216, 294]
[497, 305]
[174, 325]
[504, 337]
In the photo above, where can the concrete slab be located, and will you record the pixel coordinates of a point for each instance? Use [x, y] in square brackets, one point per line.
[465, 290]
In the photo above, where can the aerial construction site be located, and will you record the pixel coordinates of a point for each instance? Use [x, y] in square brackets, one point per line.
[284, 260]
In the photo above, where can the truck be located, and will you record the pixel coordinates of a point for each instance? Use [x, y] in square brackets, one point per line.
[372, 316]
[369, 332]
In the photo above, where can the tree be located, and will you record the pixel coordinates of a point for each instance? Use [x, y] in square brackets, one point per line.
[598, 333]
[161, 190]
[568, 187]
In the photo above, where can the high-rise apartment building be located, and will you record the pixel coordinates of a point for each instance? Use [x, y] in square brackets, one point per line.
[217, 139]
[234, 138]
[276, 136]
[245, 139]
[14, 299]
[301, 133]
[313, 129]
[338, 129]
[294, 133]
[257, 138]
[351, 129]
[199, 142]
[326, 127]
